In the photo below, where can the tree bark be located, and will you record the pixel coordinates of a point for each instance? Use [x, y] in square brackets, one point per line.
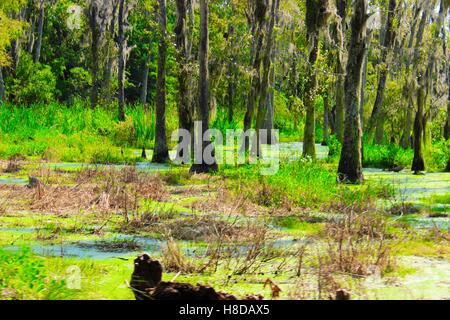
[145, 71]
[418, 164]
[31, 40]
[418, 161]
[363, 84]
[161, 152]
[231, 86]
[267, 67]
[95, 44]
[340, 85]
[121, 71]
[185, 112]
[258, 39]
[350, 163]
[231, 92]
[203, 166]
[423, 80]
[309, 136]
[405, 140]
[388, 41]
[314, 16]
[110, 55]
[447, 123]
[2, 86]
[190, 35]
[37, 52]
[379, 132]
[326, 126]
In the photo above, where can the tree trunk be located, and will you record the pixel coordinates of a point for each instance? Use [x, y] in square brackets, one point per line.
[326, 126]
[267, 67]
[350, 164]
[230, 97]
[418, 164]
[405, 140]
[121, 71]
[341, 6]
[2, 86]
[313, 25]
[190, 35]
[258, 39]
[447, 123]
[37, 52]
[423, 80]
[379, 132]
[363, 84]
[185, 114]
[30, 47]
[268, 123]
[161, 152]
[95, 44]
[309, 136]
[389, 37]
[145, 71]
[15, 54]
[110, 55]
[232, 78]
[204, 165]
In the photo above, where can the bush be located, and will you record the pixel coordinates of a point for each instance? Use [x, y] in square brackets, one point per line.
[34, 83]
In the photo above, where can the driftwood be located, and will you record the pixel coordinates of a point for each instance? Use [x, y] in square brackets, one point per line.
[147, 285]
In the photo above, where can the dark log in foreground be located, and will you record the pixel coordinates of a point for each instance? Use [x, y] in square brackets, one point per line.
[147, 285]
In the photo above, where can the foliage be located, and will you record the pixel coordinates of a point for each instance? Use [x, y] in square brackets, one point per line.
[10, 28]
[24, 276]
[34, 83]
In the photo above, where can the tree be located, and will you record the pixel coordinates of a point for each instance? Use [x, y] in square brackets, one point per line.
[2, 86]
[185, 111]
[340, 29]
[258, 22]
[110, 52]
[316, 18]
[37, 52]
[121, 72]
[202, 165]
[161, 152]
[350, 163]
[146, 61]
[408, 118]
[424, 78]
[263, 106]
[99, 14]
[10, 29]
[376, 118]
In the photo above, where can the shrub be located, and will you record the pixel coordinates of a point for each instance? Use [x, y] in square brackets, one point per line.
[34, 83]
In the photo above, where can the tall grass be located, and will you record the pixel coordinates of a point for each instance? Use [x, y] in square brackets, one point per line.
[74, 134]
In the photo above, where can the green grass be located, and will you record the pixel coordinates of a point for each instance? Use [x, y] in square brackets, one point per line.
[25, 276]
[300, 183]
[75, 133]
